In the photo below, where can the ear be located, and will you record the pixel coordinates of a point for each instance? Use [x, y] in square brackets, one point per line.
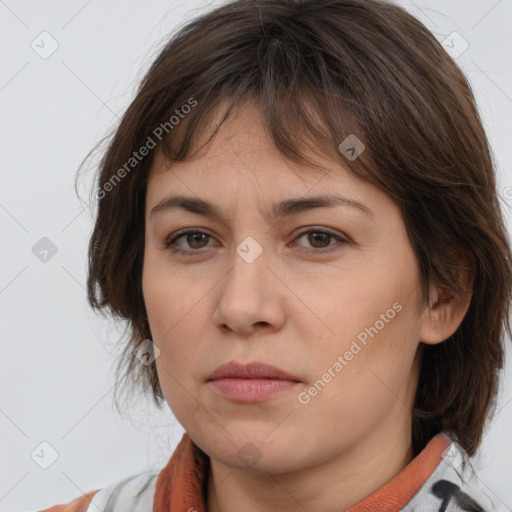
[444, 313]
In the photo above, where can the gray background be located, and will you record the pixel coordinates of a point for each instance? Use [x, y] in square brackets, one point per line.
[56, 369]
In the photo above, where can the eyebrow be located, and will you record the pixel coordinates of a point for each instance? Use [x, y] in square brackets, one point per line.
[279, 210]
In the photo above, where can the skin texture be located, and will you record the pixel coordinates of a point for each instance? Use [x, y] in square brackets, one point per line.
[298, 306]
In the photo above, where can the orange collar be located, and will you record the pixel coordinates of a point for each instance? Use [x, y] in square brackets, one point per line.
[182, 484]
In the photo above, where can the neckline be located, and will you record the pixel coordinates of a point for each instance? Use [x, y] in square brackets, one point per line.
[182, 484]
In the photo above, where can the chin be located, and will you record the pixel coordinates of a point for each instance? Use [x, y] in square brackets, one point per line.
[256, 452]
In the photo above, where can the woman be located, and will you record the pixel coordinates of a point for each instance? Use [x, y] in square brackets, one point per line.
[334, 340]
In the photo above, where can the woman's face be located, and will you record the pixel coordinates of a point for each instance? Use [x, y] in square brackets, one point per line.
[328, 294]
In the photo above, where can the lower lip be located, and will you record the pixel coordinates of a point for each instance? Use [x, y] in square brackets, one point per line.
[251, 390]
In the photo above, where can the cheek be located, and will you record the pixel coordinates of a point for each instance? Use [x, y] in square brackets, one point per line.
[179, 393]
[361, 311]
[164, 298]
[178, 365]
[376, 331]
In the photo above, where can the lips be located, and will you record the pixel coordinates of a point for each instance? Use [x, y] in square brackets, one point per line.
[253, 382]
[255, 370]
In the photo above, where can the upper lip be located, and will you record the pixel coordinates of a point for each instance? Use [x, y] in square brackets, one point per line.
[253, 370]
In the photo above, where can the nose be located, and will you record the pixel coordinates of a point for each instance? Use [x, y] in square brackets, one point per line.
[251, 296]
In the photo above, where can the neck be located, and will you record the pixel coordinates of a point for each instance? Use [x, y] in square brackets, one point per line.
[337, 484]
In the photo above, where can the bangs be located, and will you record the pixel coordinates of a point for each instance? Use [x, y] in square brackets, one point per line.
[294, 120]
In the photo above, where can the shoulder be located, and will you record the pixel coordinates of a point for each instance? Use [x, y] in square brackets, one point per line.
[454, 485]
[80, 504]
[134, 493]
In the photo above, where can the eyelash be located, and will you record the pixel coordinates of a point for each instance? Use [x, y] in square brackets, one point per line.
[180, 234]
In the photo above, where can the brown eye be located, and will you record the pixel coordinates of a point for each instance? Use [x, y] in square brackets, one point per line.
[194, 241]
[318, 239]
[196, 238]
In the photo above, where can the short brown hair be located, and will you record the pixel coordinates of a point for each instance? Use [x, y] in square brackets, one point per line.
[322, 70]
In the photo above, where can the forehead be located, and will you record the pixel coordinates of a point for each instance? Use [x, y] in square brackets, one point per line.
[241, 172]
[243, 148]
[211, 185]
[241, 168]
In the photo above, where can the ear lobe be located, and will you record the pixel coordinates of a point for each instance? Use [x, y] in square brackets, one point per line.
[443, 317]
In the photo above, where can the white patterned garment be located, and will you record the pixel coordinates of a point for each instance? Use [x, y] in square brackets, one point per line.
[133, 494]
[452, 487]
